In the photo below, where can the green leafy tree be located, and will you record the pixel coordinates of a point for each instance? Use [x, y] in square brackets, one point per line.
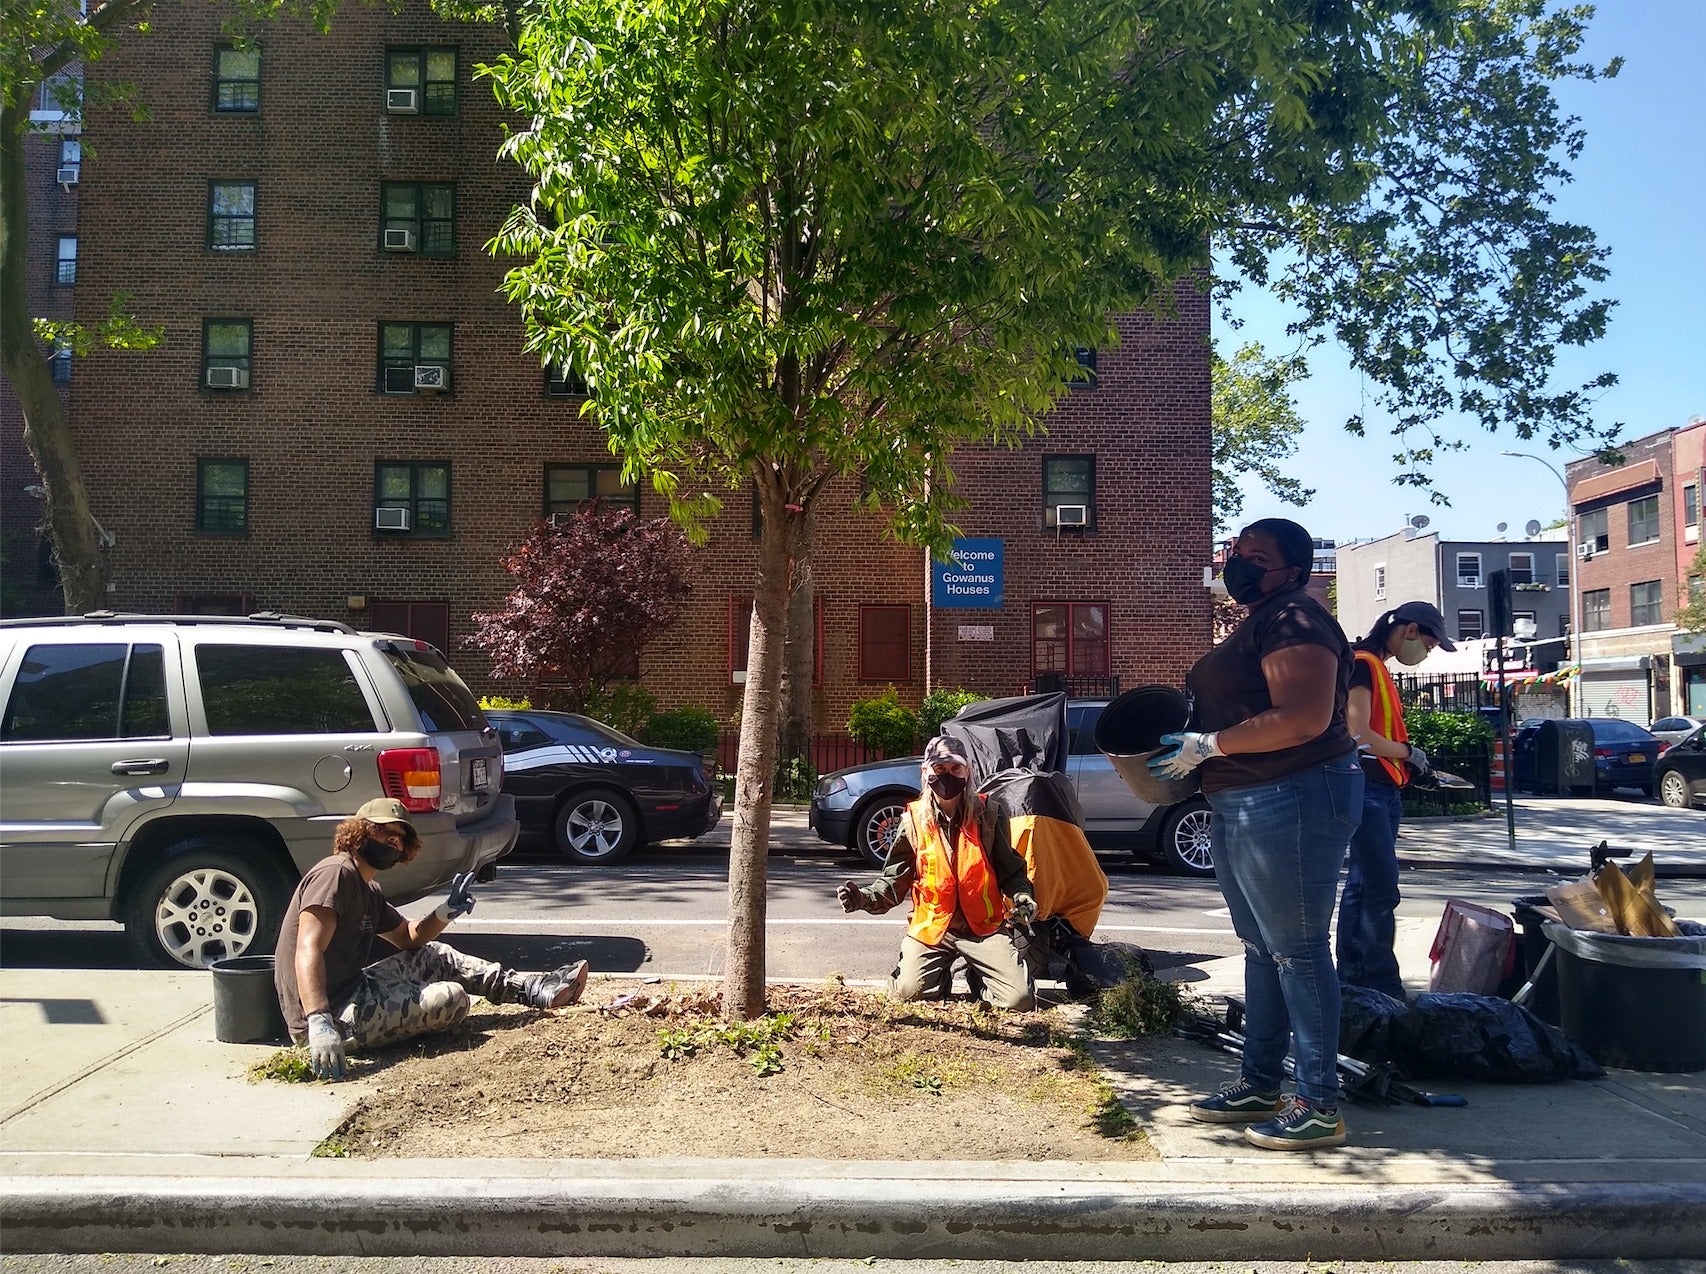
[1256, 428]
[884, 723]
[1691, 615]
[939, 705]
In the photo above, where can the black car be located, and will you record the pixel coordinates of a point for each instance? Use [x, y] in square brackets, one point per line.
[597, 792]
[1680, 775]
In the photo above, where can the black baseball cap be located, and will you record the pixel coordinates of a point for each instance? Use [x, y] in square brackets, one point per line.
[1426, 616]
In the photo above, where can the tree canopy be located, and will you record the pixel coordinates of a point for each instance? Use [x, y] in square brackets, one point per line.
[1256, 428]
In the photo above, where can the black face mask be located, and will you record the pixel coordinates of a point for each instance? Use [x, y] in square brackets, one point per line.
[1243, 579]
[947, 786]
[378, 855]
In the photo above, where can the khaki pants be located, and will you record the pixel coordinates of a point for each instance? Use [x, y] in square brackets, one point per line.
[994, 967]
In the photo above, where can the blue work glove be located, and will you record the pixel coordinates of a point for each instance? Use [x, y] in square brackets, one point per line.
[1183, 752]
[325, 1046]
[460, 900]
[1418, 760]
[1024, 909]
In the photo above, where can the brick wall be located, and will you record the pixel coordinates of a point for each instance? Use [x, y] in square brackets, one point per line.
[1623, 564]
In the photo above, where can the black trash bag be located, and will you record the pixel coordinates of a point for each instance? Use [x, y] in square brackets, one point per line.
[1456, 1035]
[1366, 1019]
[1062, 953]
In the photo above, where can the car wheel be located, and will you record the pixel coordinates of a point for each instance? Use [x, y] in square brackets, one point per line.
[597, 825]
[1185, 845]
[1673, 790]
[875, 826]
[207, 900]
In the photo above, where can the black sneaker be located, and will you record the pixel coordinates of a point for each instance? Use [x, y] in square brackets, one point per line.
[1299, 1126]
[561, 987]
[1240, 1103]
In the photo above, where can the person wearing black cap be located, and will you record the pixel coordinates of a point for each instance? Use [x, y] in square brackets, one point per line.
[1375, 716]
[1280, 773]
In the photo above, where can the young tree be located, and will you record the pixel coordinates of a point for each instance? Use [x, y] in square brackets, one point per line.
[784, 241]
[591, 592]
[1691, 614]
[1256, 427]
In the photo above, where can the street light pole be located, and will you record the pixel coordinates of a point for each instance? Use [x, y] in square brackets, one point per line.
[1571, 694]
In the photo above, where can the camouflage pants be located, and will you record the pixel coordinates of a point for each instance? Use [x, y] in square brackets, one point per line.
[418, 992]
[996, 970]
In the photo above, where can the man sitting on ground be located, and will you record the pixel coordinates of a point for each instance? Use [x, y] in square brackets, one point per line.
[330, 990]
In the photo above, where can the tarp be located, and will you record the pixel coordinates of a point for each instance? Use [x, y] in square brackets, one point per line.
[1025, 732]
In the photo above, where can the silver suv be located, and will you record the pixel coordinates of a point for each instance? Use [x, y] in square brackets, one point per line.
[179, 773]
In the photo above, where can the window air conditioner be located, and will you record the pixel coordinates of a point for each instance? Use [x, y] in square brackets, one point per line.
[68, 176]
[227, 378]
[559, 519]
[431, 376]
[402, 101]
[399, 241]
[1469, 581]
[1072, 515]
[1584, 550]
[390, 519]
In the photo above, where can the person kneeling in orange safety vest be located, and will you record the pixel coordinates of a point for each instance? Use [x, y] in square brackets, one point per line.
[960, 887]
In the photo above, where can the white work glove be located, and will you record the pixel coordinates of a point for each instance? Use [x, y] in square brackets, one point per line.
[459, 901]
[1418, 760]
[325, 1046]
[1024, 909]
[1183, 752]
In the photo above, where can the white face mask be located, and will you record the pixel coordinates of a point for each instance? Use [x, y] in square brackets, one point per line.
[1411, 651]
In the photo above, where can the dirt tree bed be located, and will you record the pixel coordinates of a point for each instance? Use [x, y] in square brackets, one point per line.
[846, 1074]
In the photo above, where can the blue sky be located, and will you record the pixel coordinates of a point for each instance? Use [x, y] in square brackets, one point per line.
[1641, 184]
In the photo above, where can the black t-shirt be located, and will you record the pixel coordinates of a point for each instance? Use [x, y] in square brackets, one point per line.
[1228, 686]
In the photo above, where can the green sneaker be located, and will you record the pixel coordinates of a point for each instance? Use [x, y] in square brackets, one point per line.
[1240, 1103]
[1299, 1126]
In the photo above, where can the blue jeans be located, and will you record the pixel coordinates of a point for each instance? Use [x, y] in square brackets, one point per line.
[1277, 852]
[1367, 924]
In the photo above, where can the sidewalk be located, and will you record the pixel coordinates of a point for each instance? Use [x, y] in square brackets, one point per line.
[126, 1127]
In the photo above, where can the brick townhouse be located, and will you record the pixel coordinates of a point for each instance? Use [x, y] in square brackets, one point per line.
[341, 420]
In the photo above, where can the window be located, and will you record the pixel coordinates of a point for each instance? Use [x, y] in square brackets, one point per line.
[236, 79]
[560, 383]
[740, 635]
[570, 486]
[422, 489]
[1644, 520]
[1379, 582]
[430, 72]
[1645, 603]
[71, 153]
[60, 364]
[421, 216]
[1691, 507]
[439, 695]
[1596, 530]
[885, 643]
[1523, 625]
[225, 353]
[1469, 570]
[1069, 481]
[59, 99]
[1086, 359]
[82, 691]
[1696, 588]
[280, 690]
[1522, 568]
[212, 604]
[1470, 625]
[65, 267]
[403, 347]
[231, 216]
[222, 497]
[1596, 610]
[1070, 638]
[1561, 569]
[424, 621]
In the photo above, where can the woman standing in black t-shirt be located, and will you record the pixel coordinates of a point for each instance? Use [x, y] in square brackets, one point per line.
[1280, 772]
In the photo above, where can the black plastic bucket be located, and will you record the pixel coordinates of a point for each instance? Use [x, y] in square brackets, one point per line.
[245, 1002]
[1129, 731]
[1637, 1003]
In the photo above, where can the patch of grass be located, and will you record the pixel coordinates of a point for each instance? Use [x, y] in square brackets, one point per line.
[333, 1147]
[1111, 1118]
[288, 1066]
[1140, 1005]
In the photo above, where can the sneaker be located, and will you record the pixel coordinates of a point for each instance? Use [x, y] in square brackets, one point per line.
[1299, 1126]
[561, 987]
[1240, 1103]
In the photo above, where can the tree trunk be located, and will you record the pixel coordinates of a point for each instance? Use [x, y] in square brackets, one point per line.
[801, 658]
[47, 429]
[749, 851]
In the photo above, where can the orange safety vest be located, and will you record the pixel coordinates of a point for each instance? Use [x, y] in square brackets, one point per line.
[947, 876]
[1386, 714]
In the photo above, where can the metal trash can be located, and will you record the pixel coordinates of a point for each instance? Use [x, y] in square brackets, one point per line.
[1564, 758]
[1637, 1003]
[245, 1002]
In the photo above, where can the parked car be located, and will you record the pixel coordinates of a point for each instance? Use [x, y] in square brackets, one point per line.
[1674, 729]
[1623, 754]
[1680, 775]
[598, 793]
[860, 806]
[178, 773]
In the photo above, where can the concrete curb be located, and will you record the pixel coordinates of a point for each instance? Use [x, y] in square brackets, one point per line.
[1052, 1215]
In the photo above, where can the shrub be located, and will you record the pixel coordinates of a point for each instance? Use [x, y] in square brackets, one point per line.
[501, 703]
[795, 779]
[1449, 731]
[939, 705]
[626, 706]
[883, 724]
[690, 729]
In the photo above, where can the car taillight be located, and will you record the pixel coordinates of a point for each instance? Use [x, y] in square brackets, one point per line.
[1603, 754]
[412, 776]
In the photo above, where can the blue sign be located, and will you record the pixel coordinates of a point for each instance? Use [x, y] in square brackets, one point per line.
[972, 581]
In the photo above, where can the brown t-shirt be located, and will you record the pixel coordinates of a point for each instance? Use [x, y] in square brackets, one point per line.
[362, 913]
[1229, 686]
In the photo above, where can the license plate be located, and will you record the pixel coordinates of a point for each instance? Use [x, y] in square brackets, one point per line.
[477, 771]
[1637, 758]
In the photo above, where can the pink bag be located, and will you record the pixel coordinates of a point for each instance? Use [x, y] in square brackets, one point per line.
[1474, 950]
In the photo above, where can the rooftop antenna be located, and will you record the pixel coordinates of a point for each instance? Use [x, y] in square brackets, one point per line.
[1420, 521]
[1532, 529]
[1500, 528]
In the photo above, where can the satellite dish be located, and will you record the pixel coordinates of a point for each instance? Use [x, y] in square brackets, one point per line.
[1533, 528]
[1420, 521]
[1501, 527]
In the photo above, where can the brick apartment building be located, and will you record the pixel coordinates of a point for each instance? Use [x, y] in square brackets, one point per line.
[341, 420]
[1637, 530]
